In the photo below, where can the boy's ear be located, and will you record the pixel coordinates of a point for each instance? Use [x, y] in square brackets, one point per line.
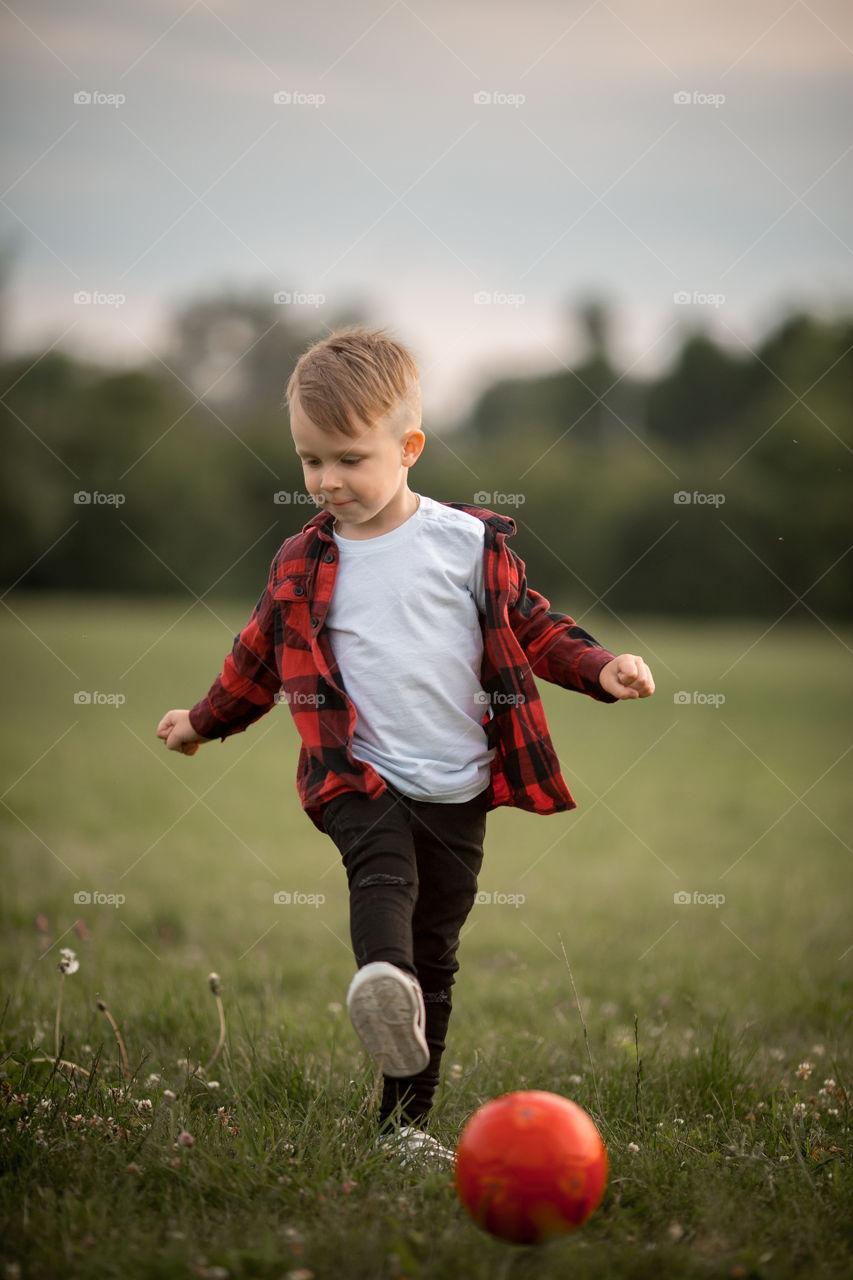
[413, 443]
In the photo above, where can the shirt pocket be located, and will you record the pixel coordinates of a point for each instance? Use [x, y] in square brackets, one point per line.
[292, 603]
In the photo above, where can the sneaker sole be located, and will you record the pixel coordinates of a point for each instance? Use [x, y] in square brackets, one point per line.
[387, 1012]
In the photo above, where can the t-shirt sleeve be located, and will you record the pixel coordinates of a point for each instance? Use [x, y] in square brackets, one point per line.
[477, 580]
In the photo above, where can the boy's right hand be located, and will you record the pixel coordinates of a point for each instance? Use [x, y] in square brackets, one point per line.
[178, 734]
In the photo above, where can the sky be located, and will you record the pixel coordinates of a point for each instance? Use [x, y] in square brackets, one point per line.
[466, 172]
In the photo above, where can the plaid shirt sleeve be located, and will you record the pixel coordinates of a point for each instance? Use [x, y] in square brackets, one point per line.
[250, 679]
[557, 649]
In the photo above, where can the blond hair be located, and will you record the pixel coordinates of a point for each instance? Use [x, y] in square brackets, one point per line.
[353, 377]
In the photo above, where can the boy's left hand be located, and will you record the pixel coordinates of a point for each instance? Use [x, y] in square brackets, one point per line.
[627, 677]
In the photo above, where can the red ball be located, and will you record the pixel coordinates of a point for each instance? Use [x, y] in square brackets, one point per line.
[529, 1166]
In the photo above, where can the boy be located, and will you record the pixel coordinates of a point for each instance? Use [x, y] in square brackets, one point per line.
[405, 639]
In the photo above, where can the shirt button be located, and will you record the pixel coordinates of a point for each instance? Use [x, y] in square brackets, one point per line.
[299, 591]
[314, 622]
[329, 557]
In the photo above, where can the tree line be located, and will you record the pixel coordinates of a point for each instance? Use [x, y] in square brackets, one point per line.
[719, 487]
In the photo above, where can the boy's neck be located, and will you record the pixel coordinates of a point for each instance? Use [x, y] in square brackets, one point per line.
[362, 532]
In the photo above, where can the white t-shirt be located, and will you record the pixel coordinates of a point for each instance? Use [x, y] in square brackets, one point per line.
[404, 629]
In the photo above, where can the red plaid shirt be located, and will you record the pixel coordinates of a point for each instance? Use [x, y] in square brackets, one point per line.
[283, 654]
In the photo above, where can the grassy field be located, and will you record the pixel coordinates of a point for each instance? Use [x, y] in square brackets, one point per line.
[710, 1038]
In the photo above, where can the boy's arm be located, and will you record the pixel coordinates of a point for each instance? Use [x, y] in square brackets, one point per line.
[249, 681]
[561, 651]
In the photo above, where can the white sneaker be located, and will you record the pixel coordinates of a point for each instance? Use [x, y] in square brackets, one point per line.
[386, 1007]
[411, 1146]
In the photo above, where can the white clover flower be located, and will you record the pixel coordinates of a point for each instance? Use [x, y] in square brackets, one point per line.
[68, 962]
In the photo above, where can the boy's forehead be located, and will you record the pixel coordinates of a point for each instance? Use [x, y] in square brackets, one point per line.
[306, 432]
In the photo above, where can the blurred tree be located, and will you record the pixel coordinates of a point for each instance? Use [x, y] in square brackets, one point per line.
[590, 404]
[708, 389]
[205, 491]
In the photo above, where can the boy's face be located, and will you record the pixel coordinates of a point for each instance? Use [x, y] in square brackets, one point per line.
[361, 479]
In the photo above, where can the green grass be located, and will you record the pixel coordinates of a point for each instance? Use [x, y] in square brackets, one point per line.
[691, 1023]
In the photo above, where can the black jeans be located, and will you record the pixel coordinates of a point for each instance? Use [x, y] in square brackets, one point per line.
[412, 868]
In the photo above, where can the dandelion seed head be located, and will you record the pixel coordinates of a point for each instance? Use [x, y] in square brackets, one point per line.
[215, 983]
[633, 1148]
[68, 962]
